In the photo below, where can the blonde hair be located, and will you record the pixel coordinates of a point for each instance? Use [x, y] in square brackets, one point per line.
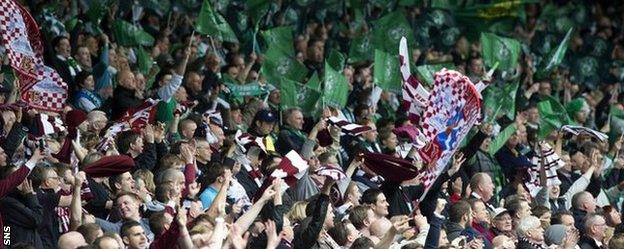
[147, 177]
[297, 212]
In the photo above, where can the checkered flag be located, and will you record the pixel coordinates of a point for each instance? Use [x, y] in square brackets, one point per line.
[49, 93]
[20, 36]
[348, 127]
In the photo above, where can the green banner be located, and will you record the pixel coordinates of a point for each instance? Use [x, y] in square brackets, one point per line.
[388, 31]
[294, 94]
[128, 35]
[336, 88]
[280, 38]
[386, 71]
[555, 57]
[211, 23]
[494, 49]
[552, 116]
[278, 65]
[249, 89]
[497, 100]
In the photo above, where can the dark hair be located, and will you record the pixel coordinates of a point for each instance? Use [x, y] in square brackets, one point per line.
[458, 210]
[513, 204]
[214, 170]
[125, 228]
[358, 215]
[124, 139]
[370, 196]
[362, 243]
[80, 79]
[540, 210]
[339, 233]
[157, 222]
[22, 245]
[556, 218]
[114, 179]
[89, 231]
[58, 39]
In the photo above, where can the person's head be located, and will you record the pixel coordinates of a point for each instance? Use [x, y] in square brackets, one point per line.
[218, 132]
[533, 115]
[264, 122]
[612, 216]
[133, 235]
[530, 228]
[181, 95]
[128, 204]
[584, 201]
[45, 178]
[160, 222]
[127, 80]
[130, 142]
[376, 200]
[361, 217]
[62, 47]
[555, 191]
[97, 121]
[476, 66]
[108, 241]
[518, 207]
[594, 226]
[297, 212]
[147, 177]
[362, 243]
[371, 135]
[564, 218]
[545, 89]
[294, 118]
[503, 242]
[215, 175]
[85, 81]
[193, 82]
[187, 128]
[71, 240]
[203, 151]
[481, 183]
[544, 214]
[380, 227]
[502, 220]
[90, 232]
[353, 194]
[339, 233]
[122, 182]
[461, 213]
[388, 139]
[83, 57]
[480, 213]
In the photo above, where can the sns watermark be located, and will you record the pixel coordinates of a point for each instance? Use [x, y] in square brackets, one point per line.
[6, 235]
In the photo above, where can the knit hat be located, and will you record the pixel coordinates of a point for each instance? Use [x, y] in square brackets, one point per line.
[109, 166]
[75, 117]
[555, 234]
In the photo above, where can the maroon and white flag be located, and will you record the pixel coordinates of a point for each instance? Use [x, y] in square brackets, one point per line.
[291, 168]
[415, 96]
[134, 119]
[244, 140]
[48, 93]
[332, 171]
[49, 124]
[22, 41]
[454, 106]
[348, 127]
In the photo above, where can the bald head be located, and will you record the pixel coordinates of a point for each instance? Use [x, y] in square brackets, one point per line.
[379, 227]
[71, 240]
[584, 201]
[126, 79]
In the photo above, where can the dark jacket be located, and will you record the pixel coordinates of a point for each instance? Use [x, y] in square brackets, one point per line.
[123, 99]
[578, 216]
[400, 198]
[50, 228]
[433, 236]
[308, 232]
[290, 139]
[588, 243]
[147, 159]
[23, 214]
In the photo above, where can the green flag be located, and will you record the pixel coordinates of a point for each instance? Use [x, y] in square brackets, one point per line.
[144, 61]
[211, 23]
[257, 9]
[497, 100]
[386, 71]
[554, 58]
[278, 65]
[294, 94]
[360, 49]
[314, 82]
[494, 49]
[336, 59]
[426, 72]
[388, 31]
[280, 38]
[129, 35]
[97, 10]
[336, 88]
[552, 116]
[499, 141]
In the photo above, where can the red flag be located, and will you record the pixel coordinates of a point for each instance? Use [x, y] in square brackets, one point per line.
[134, 119]
[48, 93]
[414, 93]
[348, 127]
[291, 168]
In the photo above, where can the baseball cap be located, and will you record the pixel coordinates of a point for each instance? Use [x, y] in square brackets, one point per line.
[265, 116]
[499, 211]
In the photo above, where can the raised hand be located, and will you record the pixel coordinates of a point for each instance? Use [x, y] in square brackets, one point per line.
[148, 134]
[181, 216]
[237, 239]
[271, 231]
[458, 160]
